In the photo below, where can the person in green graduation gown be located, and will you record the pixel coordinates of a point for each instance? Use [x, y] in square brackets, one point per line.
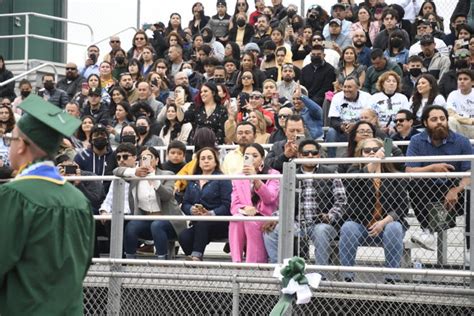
[46, 225]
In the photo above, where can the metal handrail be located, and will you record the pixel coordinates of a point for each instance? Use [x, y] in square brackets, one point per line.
[115, 34]
[27, 34]
[30, 71]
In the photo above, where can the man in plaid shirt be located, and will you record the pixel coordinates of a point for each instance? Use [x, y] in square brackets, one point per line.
[322, 204]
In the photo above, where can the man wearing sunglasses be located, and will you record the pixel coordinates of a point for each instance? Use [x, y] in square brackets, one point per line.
[72, 82]
[404, 127]
[319, 209]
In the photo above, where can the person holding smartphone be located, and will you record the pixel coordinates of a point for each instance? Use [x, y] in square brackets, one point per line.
[252, 198]
[150, 197]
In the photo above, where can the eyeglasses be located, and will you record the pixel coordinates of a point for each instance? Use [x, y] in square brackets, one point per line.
[306, 153]
[6, 104]
[256, 97]
[123, 157]
[139, 38]
[247, 78]
[364, 131]
[7, 139]
[113, 42]
[401, 120]
[368, 150]
[71, 68]
[283, 116]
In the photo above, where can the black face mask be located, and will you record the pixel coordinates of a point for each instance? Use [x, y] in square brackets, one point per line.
[396, 42]
[25, 94]
[100, 143]
[240, 22]
[48, 85]
[270, 57]
[119, 60]
[291, 13]
[219, 80]
[461, 64]
[129, 139]
[415, 72]
[316, 60]
[141, 130]
[93, 57]
[297, 25]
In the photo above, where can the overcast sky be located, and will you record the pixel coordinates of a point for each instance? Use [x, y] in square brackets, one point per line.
[107, 17]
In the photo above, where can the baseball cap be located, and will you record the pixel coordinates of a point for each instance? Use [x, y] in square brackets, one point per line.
[337, 21]
[95, 91]
[251, 47]
[221, 2]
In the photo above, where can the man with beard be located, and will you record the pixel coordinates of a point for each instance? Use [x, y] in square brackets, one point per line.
[262, 32]
[244, 135]
[318, 76]
[440, 194]
[72, 82]
[424, 28]
[126, 83]
[287, 86]
[49, 93]
[460, 105]
[363, 52]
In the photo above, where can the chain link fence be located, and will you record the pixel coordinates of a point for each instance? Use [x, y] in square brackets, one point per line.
[366, 268]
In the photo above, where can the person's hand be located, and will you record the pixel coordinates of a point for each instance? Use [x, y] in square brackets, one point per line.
[61, 170]
[324, 218]
[297, 93]
[179, 100]
[336, 85]
[290, 150]
[380, 153]
[199, 211]
[442, 167]
[142, 171]
[249, 210]
[103, 212]
[268, 227]
[376, 228]
[89, 62]
[78, 174]
[110, 129]
[249, 170]
[451, 199]
[349, 126]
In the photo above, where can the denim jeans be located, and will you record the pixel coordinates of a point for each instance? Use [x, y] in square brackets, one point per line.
[333, 136]
[320, 234]
[159, 231]
[354, 235]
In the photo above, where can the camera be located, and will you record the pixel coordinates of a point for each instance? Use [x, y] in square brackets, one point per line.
[70, 169]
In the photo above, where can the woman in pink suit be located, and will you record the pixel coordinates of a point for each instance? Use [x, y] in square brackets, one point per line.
[252, 198]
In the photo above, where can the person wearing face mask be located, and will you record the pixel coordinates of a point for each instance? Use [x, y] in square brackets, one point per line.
[268, 61]
[414, 70]
[448, 82]
[318, 76]
[25, 90]
[208, 37]
[51, 94]
[145, 138]
[396, 52]
[241, 32]
[120, 62]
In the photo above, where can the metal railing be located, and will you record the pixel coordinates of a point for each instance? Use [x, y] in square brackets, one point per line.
[115, 34]
[23, 74]
[27, 35]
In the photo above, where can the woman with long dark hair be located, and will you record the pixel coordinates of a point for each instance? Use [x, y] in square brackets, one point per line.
[117, 95]
[135, 68]
[140, 40]
[208, 198]
[207, 111]
[349, 67]
[84, 132]
[199, 20]
[426, 93]
[174, 24]
[173, 128]
[7, 91]
[252, 198]
[122, 117]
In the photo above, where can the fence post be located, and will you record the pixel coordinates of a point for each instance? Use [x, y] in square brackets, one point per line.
[287, 211]
[235, 296]
[116, 246]
[471, 223]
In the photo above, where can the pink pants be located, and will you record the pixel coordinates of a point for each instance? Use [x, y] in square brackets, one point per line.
[247, 234]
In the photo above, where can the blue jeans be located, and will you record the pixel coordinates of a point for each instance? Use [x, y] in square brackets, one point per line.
[354, 235]
[321, 235]
[159, 231]
[333, 136]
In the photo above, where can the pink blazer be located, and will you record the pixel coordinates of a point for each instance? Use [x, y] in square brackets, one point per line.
[268, 193]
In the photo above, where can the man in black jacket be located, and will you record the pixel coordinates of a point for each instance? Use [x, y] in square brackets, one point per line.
[318, 77]
[72, 82]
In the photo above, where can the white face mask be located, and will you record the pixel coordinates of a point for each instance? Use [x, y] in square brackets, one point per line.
[188, 72]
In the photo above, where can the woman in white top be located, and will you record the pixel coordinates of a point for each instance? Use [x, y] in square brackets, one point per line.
[173, 128]
[389, 100]
[426, 93]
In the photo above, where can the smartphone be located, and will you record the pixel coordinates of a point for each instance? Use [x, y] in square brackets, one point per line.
[243, 99]
[299, 138]
[179, 93]
[70, 169]
[146, 161]
[85, 85]
[248, 160]
[387, 147]
[146, 26]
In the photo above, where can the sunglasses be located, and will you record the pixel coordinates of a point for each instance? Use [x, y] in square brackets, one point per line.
[368, 150]
[256, 97]
[113, 42]
[306, 153]
[123, 157]
[283, 116]
[139, 38]
[71, 68]
[400, 120]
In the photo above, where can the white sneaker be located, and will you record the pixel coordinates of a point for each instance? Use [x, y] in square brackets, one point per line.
[425, 240]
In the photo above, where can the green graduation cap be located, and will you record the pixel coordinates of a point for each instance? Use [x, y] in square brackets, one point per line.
[45, 124]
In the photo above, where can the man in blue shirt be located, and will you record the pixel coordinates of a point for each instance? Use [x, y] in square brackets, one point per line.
[440, 193]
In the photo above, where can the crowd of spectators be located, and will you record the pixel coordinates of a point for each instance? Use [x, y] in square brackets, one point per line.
[368, 72]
